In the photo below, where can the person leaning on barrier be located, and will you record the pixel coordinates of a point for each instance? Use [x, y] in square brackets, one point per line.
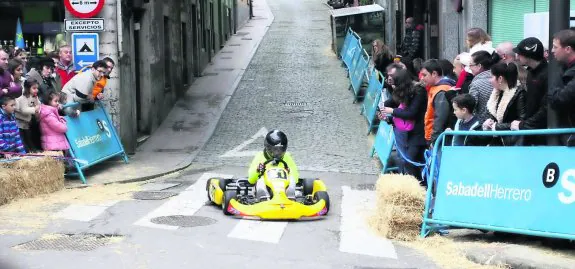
[562, 97]
[80, 88]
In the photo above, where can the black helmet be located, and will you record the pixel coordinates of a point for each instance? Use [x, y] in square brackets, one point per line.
[275, 144]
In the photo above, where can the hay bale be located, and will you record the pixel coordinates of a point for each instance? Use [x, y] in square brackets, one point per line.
[30, 177]
[400, 205]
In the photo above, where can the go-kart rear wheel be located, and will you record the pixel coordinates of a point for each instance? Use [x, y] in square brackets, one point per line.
[322, 195]
[228, 196]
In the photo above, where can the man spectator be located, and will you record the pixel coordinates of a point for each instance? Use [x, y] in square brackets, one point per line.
[530, 53]
[80, 87]
[7, 85]
[562, 96]
[410, 48]
[438, 107]
[506, 52]
[65, 67]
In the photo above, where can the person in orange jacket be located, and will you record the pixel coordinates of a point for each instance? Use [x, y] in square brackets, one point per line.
[101, 83]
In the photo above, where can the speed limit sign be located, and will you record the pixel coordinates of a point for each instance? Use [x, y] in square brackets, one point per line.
[84, 8]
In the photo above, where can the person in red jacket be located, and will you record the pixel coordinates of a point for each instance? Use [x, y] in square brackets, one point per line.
[65, 67]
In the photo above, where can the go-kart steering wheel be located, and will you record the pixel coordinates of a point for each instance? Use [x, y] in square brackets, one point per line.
[276, 161]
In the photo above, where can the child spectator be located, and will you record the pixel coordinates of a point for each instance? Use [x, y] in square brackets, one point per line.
[463, 106]
[10, 140]
[27, 107]
[52, 126]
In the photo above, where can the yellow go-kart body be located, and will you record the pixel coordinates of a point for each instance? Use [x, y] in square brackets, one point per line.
[222, 192]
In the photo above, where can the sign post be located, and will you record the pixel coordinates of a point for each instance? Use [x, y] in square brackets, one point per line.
[84, 8]
[85, 49]
[84, 25]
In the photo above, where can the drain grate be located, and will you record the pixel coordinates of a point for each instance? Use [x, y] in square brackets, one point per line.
[153, 195]
[69, 242]
[370, 187]
[225, 58]
[209, 74]
[295, 103]
[242, 33]
[183, 221]
[235, 45]
[224, 69]
[246, 38]
[226, 51]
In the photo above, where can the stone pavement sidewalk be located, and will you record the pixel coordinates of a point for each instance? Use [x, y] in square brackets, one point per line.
[515, 251]
[193, 119]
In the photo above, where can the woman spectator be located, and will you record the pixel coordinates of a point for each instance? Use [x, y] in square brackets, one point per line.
[43, 71]
[477, 40]
[7, 85]
[16, 67]
[506, 103]
[481, 87]
[381, 56]
[22, 55]
[407, 107]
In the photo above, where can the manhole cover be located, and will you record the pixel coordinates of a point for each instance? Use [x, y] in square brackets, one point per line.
[224, 69]
[295, 103]
[235, 45]
[242, 33]
[209, 74]
[226, 51]
[370, 187]
[153, 195]
[69, 242]
[246, 38]
[183, 221]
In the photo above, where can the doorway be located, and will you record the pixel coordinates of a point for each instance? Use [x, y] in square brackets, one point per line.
[195, 43]
[142, 128]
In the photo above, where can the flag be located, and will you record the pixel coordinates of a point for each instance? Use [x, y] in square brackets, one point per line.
[19, 35]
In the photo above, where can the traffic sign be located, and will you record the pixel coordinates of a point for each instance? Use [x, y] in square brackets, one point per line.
[84, 25]
[85, 49]
[84, 8]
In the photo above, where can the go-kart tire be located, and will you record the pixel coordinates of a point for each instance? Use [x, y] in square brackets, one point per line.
[322, 195]
[228, 196]
[307, 186]
[224, 183]
[208, 183]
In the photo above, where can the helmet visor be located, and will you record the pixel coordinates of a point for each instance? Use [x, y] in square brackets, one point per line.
[276, 152]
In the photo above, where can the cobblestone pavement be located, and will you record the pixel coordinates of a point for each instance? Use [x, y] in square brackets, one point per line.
[295, 83]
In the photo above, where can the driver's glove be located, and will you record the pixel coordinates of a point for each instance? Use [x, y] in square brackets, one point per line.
[261, 168]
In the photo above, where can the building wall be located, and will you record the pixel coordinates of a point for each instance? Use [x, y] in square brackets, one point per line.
[243, 12]
[172, 46]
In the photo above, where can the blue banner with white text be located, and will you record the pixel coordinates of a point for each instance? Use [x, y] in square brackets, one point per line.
[526, 188]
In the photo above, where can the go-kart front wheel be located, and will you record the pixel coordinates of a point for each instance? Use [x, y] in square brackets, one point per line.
[228, 196]
[322, 195]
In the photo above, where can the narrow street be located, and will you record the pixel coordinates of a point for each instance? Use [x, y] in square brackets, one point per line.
[294, 83]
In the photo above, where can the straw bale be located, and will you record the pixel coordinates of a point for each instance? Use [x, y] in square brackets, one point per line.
[399, 208]
[30, 177]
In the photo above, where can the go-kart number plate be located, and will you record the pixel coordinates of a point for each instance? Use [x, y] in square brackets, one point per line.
[277, 174]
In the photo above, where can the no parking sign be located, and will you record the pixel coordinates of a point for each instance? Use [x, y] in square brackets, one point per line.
[84, 8]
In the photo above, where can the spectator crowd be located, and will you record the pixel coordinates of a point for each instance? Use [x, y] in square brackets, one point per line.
[483, 89]
[34, 93]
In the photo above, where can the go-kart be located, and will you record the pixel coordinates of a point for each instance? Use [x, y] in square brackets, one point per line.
[286, 199]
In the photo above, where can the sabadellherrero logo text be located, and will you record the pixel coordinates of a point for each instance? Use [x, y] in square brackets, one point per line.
[488, 191]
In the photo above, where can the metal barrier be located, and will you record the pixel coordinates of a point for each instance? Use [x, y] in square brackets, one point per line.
[358, 74]
[509, 189]
[383, 145]
[92, 138]
[371, 100]
[349, 52]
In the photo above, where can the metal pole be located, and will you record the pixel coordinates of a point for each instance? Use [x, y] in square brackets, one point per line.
[390, 30]
[558, 20]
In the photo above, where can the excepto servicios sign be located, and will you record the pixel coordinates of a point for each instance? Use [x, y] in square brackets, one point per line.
[86, 25]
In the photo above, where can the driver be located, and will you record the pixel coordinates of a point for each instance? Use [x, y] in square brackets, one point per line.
[275, 146]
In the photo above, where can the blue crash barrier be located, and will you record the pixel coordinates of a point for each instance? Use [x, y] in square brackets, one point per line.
[92, 138]
[514, 189]
[383, 145]
[371, 100]
[351, 50]
[358, 74]
[346, 41]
